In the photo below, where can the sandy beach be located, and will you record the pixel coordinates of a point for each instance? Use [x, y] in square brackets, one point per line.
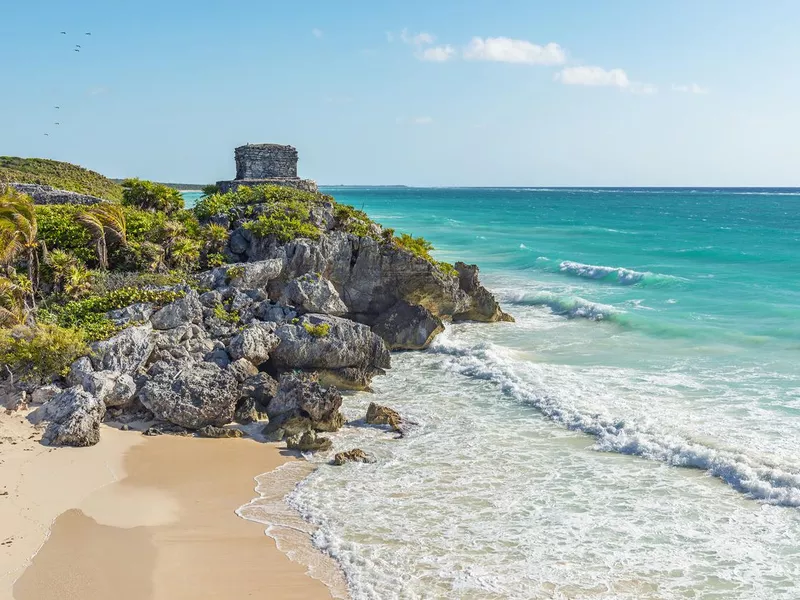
[137, 517]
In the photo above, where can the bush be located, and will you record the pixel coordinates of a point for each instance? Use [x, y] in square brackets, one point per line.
[422, 248]
[229, 316]
[353, 220]
[151, 196]
[275, 195]
[61, 175]
[60, 229]
[317, 331]
[41, 351]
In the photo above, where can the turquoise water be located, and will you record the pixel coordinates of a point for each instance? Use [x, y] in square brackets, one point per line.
[635, 434]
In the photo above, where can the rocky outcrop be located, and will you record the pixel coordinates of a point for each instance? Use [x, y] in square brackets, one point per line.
[183, 311]
[331, 344]
[246, 275]
[354, 455]
[126, 352]
[193, 395]
[300, 395]
[73, 417]
[44, 394]
[255, 343]
[135, 313]
[383, 415]
[308, 441]
[407, 327]
[45, 194]
[311, 293]
[110, 387]
[249, 411]
[482, 306]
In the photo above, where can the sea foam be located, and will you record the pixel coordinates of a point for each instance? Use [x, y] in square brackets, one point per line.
[618, 275]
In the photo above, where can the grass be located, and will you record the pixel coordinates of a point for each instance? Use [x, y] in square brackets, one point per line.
[62, 175]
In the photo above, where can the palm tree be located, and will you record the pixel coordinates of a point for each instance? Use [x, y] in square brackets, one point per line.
[63, 264]
[105, 222]
[13, 292]
[19, 232]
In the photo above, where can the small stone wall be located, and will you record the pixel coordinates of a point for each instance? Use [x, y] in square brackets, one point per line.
[307, 185]
[44, 194]
[265, 161]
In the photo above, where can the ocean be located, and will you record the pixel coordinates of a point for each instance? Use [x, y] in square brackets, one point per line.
[634, 435]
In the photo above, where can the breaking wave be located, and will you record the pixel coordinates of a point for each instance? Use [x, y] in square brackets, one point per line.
[619, 275]
[572, 307]
[749, 475]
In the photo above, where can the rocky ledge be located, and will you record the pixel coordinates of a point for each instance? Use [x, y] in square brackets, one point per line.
[44, 194]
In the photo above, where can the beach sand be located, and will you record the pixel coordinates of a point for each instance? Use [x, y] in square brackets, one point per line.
[137, 517]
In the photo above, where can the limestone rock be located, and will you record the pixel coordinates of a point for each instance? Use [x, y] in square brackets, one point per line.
[311, 293]
[78, 370]
[183, 311]
[249, 275]
[383, 415]
[354, 455]
[261, 388]
[242, 369]
[135, 313]
[482, 305]
[407, 327]
[126, 352]
[249, 411]
[194, 396]
[110, 387]
[254, 343]
[44, 394]
[209, 431]
[308, 441]
[300, 394]
[166, 429]
[74, 418]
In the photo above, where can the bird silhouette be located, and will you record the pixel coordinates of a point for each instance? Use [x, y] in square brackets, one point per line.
[57, 123]
[77, 45]
[62, 33]
[58, 107]
[77, 50]
[87, 34]
[47, 134]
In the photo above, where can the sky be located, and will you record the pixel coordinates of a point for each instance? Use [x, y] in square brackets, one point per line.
[431, 93]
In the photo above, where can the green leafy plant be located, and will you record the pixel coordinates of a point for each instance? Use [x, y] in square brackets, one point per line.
[41, 351]
[106, 224]
[422, 248]
[229, 316]
[19, 237]
[15, 291]
[210, 189]
[148, 195]
[234, 272]
[317, 331]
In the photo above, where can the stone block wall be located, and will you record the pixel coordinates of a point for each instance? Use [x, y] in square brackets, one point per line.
[265, 161]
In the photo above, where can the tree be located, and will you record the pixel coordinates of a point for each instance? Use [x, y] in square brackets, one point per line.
[19, 232]
[106, 223]
[14, 291]
[151, 196]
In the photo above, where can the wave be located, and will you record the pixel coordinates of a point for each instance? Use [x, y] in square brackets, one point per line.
[749, 475]
[572, 307]
[619, 275]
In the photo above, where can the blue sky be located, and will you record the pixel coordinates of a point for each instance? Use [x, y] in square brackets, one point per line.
[445, 92]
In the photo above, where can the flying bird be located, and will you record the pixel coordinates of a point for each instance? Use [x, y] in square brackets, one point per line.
[62, 33]
[77, 45]
[57, 123]
[87, 34]
[77, 50]
[47, 134]
[58, 107]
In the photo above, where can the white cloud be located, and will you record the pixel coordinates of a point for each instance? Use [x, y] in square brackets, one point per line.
[416, 39]
[598, 76]
[437, 53]
[317, 33]
[691, 88]
[502, 49]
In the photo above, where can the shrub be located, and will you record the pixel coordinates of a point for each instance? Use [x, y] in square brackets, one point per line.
[317, 331]
[353, 220]
[285, 225]
[422, 248]
[41, 351]
[210, 189]
[60, 229]
[148, 195]
[229, 316]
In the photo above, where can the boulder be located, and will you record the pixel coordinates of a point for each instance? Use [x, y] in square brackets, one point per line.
[126, 352]
[194, 396]
[44, 394]
[248, 411]
[110, 387]
[253, 343]
[407, 327]
[249, 275]
[354, 455]
[261, 388]
[322, 342]
[383, 415]
[300, 394]
[482, 304]
[78, 370]
[209, 431]
[74, 418]
[183, 311]
[311, 293]
[242, 369]
[135, 313]
[308, 441]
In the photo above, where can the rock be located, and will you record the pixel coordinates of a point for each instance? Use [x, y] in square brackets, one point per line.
[482, 306]
[110, 387]
[74, 418]
[219, 357]
[183, 311]
[211, 299]
[407, 327]
[166, 429]
[45, 194]
[261, 388]
[308, 441]
[248, 411]
[240, 301]
[383, 415]
[242, 369]
[354, 455]
[254, 343]
[135, 313]
[341, 344]
[126, 352]
[311, 293]
[272, 312]
[45, 393]
[299, 394]
[124, 427]
[172, 337]
[249, 275]
[209, 431]
[349, 378]
[78, 370]
[194, 396]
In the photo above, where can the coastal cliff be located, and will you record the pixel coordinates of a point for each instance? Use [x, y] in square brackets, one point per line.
[309, 297]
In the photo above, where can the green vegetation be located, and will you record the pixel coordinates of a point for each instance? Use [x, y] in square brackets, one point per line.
[151, 196]
[61, 175]
[89, 316]
[210, 189]
[41, 351]
[19, 232]
[421, 247]
[317, 331]
[234, 273]
[229, 316]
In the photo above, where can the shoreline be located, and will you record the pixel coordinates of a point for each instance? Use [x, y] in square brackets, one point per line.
[161, 523]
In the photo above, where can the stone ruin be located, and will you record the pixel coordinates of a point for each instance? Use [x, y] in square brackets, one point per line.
[266, 164]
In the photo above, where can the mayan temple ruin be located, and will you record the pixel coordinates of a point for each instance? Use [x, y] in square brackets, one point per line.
[266, 164]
